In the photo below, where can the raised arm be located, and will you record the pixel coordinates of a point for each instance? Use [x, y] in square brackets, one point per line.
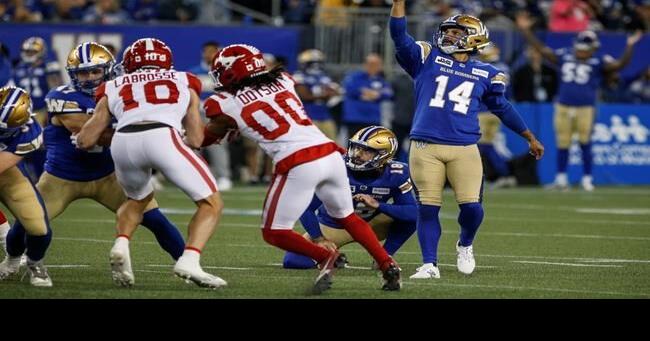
[410, 54]
[620, 63]
[524, 23]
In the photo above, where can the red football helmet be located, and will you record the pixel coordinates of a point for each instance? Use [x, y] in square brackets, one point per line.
[235, 63]
[147, 53]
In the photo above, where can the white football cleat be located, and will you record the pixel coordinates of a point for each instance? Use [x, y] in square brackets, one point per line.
[38, 275]
[121, 272]
[4, 230]
[587, 183]
[465, 261]
[193, 273]
[9, 266]
[426, 271]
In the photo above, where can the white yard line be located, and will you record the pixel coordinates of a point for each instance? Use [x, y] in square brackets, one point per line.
[67, 266]
[203, 266]
[568, 264]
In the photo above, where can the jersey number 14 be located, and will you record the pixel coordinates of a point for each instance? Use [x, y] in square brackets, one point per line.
[460, 95]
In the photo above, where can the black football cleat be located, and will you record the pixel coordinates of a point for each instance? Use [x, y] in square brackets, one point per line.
[392, 280]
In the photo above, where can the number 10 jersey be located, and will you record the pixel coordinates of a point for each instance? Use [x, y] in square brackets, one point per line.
[152, 95]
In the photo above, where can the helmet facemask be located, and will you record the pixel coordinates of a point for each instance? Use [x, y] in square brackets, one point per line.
[94, 78]
[361, 157]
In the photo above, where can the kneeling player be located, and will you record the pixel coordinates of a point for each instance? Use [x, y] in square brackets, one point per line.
[375, 179]
[20, 134]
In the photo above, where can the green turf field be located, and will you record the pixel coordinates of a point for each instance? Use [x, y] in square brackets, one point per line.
[532, 244]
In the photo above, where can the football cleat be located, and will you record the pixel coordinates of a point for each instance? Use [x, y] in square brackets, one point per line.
[587, 183]
[392, 278]
[327, 268]
[192, 273]
[38, 275]
[121, 267]
[341, 261]
[426, 271]
[465, 261]
[9, 266]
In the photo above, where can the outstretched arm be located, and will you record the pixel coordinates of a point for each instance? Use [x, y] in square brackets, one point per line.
[93, 128]
[524, 23]
[627, 54]
[500, 106]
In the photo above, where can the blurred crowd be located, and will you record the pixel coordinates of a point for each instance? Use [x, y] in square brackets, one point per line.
[553, 15]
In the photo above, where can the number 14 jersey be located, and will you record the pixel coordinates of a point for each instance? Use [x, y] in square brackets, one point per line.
[273, 116]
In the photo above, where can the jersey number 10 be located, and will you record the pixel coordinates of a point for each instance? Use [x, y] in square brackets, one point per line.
[460, 95]
[150, 94]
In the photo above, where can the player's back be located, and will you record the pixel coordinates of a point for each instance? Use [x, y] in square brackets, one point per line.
[270, 114]
[150, 96]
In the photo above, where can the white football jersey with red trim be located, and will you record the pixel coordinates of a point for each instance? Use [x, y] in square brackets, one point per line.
[272, 115]
[153, 95]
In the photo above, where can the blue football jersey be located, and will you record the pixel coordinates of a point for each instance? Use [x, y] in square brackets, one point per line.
[63, 159]
[315, 81]
[23, 141]
[34, 80]
[503, 67]
[448, 94]
[393, 186]
[579, 79]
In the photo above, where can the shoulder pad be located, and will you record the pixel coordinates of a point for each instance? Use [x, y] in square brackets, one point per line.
[425, 49]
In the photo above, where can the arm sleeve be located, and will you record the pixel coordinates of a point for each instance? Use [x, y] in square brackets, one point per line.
[404, 204]
[100, 92]
[409, 54]
[309, 219]
[404, 208]
[194, 83]
[498, 104]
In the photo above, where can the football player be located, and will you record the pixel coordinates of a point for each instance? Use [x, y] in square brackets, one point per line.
[450, 88]
[581, 73]
[315, 89]
[152, 104]
[72, 174]
[20, 134]
[37, 75]
[265, 107]
[382, 192]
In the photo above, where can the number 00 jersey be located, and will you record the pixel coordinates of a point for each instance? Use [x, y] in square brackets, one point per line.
[153, 95]
[273, 116]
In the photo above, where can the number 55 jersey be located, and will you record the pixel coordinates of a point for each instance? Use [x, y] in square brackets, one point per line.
[273, 116]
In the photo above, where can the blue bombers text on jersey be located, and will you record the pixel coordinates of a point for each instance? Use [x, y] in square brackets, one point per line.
[449, 93]
[579, 79]
[64, 160]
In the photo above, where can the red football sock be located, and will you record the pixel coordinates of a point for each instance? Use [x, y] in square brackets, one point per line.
[363, 234]
[291, 241]
[3, 219]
